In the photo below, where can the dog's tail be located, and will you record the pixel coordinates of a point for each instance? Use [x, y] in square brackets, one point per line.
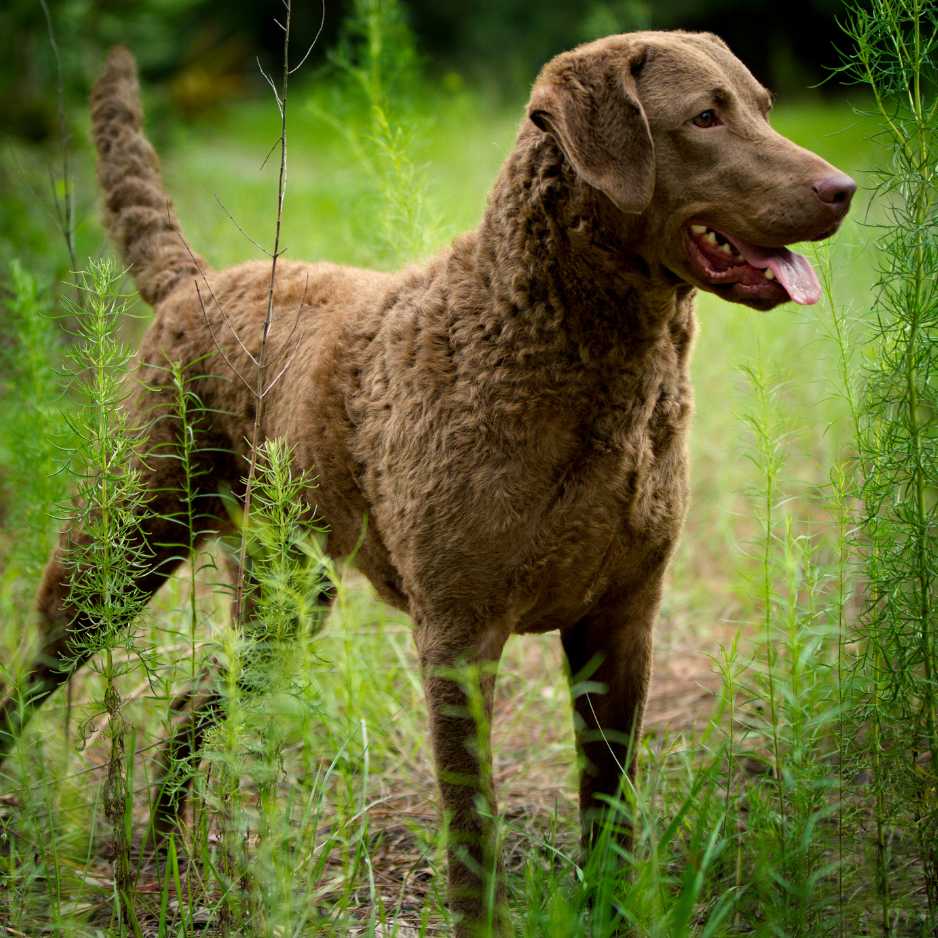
[138, 213]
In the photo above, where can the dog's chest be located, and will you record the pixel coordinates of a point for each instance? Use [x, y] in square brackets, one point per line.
[530, 487]
[617, 506]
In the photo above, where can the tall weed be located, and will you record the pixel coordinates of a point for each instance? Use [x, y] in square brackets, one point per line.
[895, 55]
[375, 82]
[106, 553]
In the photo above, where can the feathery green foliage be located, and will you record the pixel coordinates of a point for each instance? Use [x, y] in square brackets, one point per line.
[895, 55]
[106, 552]
[375, 68]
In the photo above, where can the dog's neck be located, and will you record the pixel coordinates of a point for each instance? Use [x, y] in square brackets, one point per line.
[544, 301]
[553, 249]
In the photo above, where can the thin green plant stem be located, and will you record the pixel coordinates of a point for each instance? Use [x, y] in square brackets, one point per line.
[767, 451]
[65, 212]
[186, 409]
[843, 489]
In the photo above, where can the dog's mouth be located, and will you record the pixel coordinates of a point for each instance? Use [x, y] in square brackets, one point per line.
[746, 273]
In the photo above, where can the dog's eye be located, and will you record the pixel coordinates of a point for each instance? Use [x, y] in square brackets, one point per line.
[708, 118]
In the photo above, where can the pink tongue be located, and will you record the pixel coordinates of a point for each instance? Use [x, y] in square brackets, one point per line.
[793, 271]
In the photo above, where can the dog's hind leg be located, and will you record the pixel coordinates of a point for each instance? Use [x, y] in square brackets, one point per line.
[65, 630]
[194, 712]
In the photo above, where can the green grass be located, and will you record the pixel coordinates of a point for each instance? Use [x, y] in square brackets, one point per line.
[338, 831]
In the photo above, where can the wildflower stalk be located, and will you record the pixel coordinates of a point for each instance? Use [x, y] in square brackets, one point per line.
[844, 481]
[284, 603]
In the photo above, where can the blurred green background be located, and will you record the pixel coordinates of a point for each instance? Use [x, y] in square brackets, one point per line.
[203, 52]
[455, 76]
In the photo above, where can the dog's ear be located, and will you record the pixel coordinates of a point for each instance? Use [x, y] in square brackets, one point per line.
[589, 103]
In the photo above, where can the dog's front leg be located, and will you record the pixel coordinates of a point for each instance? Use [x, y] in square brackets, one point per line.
[609, 657]
[458, 667]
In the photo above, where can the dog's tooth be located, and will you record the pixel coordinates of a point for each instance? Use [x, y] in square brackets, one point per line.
[698, 229]
[725, 248]
[768, 274]
[710, 237]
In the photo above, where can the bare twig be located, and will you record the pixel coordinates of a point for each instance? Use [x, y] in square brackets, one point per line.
[322, 23]
[273, 87]
[289, 343]
[270, 153]
[260, 387]
[261, 370]
[219, 306]
[64, 211]
[218, 345]
[237, 224]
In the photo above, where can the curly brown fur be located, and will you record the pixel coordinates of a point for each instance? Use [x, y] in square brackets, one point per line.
[511, 417]
[138, 214]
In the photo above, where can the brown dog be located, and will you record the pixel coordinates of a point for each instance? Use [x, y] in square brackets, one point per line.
[511, 416]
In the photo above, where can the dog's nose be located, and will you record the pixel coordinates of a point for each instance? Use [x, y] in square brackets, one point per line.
[836, 190]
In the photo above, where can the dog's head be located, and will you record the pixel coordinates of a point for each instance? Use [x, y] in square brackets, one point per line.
[673, 130]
